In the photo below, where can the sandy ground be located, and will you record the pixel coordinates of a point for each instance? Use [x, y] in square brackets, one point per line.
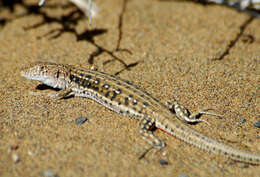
[203, 55]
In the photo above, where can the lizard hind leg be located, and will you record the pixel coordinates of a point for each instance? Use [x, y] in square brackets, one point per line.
[183, 113]
[146, 127]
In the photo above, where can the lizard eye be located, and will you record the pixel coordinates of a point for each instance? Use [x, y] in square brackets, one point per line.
[41, 68]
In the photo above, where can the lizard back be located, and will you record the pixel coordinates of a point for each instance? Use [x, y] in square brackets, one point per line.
[124, 97]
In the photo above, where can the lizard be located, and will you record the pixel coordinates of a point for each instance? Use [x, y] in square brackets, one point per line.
[126, 98]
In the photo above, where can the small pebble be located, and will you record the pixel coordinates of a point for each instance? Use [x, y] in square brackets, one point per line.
[81, 120]
[163, 162]
[182, 175]
[257, 124]
[15, 158]
[49, 173]
[243, 120]
[30, 153]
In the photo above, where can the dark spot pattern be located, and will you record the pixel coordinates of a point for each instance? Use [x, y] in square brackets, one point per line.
[97, 81]
[106, 86]
[75, 79]
[95, 88]
[84, 83]
[145, 104]
[135, 102]
[156, 100]
[107, 94]
[126, 101]
[129, 82]
[88, 85]
[118, 91]
[114, 95]
[88, 77]
[72, 77]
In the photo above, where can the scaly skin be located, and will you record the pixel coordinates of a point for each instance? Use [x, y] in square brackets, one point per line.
[125, 98]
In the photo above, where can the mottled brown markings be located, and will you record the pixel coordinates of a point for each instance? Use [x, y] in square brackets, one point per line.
[127, 84]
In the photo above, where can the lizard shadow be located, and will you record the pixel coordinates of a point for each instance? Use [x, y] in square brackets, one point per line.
[46, 87]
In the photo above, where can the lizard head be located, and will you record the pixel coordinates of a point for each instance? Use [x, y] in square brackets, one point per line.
[51, 74]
